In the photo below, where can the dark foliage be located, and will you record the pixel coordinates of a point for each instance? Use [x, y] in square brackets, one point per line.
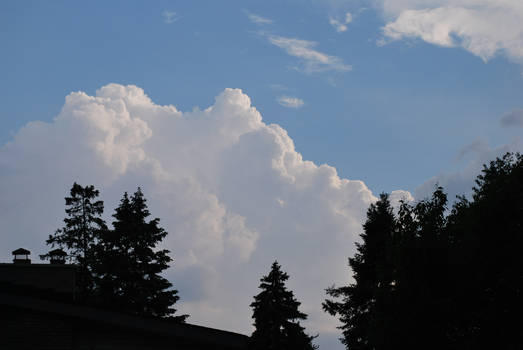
[128, 268]
[424, 279]
[276, 316]
[421, 275]
[79, 236]
[366, 303]
[117, 268]
[487, 239]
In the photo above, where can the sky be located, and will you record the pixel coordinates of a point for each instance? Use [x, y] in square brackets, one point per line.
[257, 130]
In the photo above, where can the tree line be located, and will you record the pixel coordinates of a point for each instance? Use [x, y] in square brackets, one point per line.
[427, 276]
[120, 268]
[434, 277]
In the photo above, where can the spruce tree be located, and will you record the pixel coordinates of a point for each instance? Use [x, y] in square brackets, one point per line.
[276, 316]
[129, 266]
[79, 236]
[365, 304]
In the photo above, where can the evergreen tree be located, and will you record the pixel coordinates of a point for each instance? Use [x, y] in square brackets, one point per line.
[422, 275]
[128, 266]
[83, 226]
[486, 251]
[276, 316]
[428, 280]
[365, 304]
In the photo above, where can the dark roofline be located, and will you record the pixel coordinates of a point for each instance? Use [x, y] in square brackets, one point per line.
[28, 266]
[158, 326]
[21, 251]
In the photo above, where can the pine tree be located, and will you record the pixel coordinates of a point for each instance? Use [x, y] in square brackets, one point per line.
[276, 316]
[365, 304]
[129, 268]
[83, 226]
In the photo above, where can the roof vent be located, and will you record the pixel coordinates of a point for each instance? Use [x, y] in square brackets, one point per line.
[57, 256]
[21, 256]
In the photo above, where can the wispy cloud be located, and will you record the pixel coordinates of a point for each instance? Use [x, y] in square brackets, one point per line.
[341, 25]
[313, 60]
[170, 16]
[256, 19]
[290, 102]
[280, 87]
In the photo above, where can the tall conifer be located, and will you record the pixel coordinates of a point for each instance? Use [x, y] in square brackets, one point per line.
[79, 236]
[364, 304]
[276, 316]
[129, 266]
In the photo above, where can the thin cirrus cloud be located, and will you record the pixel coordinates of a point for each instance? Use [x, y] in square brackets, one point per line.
[257, 19]
[341, 25]
[313, 61]
[485, 28]
[290, 102]
[170, 16]
[279, 87]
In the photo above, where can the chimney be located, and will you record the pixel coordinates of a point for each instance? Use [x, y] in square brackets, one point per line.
[57, 257]
[21, 256]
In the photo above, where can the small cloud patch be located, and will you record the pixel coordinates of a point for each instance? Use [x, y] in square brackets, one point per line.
[280, 87]
[170, 16]
[259, 20]
[341, 25]
[290, 102]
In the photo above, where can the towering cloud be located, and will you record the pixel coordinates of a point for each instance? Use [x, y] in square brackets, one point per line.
[232, 192]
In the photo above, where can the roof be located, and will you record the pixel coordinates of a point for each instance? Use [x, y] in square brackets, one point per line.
[21, 251]
[150, 325]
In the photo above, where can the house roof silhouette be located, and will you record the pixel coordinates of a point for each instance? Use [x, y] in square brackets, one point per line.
[38, 311]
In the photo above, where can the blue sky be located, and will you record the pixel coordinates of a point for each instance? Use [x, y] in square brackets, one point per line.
[387, 99]
[401, 103]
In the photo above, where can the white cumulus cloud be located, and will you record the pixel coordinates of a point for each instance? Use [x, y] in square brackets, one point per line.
[231, 190]
[483, 27]
[290, 102]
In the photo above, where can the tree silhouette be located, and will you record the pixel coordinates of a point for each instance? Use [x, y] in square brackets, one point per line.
[422, 291]
[128, 266]
[83, 227]
[276, 315]
[433, 280]
[365, 304]
[486, 252]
